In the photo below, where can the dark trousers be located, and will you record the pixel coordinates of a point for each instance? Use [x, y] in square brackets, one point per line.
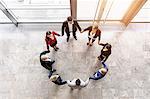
[92, 40]
[59, 81]
[48, 66]
[74, 35]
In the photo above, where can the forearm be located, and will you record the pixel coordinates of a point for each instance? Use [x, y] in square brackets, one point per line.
[94, 78]
[47, 47]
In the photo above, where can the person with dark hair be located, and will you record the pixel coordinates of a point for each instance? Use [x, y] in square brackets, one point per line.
[105, 52]
[69, 26]
[77, 83]
[46, 62]
[57, 80]
[93, 33]
[51, 40]
[100, 73]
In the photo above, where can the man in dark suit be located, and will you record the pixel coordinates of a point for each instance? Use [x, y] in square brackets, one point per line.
[70, 26]
[46, 62]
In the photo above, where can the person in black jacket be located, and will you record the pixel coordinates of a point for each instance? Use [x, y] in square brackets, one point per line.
[70, 26]
[57, 80]
[46, 62]
[105, 52]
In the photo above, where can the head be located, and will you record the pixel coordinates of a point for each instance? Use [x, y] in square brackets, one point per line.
[44, 57]
[108, 46]
[48, 33]
[95, 26]
[103, 71]
[69, 19]
[54, 77]
[78, 82]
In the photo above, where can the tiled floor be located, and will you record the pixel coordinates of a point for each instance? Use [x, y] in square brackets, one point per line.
[22, 76]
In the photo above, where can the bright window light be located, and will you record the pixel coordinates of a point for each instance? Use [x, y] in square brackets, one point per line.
[86, 9]
[39, 10]
[3, 17]
[45, 15]
[144, 14]
[117, 10]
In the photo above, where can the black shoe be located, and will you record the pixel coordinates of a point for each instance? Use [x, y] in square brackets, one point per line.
[75, 38]
[87, 43]
[57, 48]
[91, 44]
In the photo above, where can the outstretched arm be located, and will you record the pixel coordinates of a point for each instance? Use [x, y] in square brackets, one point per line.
[56, 33]
[86, 29]
[99, 38]
[102, 44]
[47, 45]
[63, 26]
[87, 82]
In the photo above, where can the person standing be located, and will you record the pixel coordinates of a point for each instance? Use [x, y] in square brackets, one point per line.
[93, 33]
[77, 83]
[105, 52]
[51, 40]
[100, 73]
[47, 62]
[57, 80]
[69, 26]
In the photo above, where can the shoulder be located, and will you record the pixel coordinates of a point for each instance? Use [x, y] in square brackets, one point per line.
[65, 22]
[99, 30]
[75, 21]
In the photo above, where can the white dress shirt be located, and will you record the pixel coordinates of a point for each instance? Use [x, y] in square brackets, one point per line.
[72, 83]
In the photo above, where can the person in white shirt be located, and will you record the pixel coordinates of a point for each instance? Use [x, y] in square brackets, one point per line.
[77, 83]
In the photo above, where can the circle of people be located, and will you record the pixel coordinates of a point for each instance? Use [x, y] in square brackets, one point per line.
[71, 26]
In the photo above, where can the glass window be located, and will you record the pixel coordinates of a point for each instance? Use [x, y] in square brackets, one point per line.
[144, 14]
[3, 17]
[86, 9]
[39, 10]
[45, 15]
[116, 9]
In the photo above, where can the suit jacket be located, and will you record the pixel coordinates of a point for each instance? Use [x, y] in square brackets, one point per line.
[98, 32]
[45, 64]
[105, 53]
[65, 27]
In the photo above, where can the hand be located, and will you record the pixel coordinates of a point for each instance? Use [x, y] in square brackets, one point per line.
[81, 31]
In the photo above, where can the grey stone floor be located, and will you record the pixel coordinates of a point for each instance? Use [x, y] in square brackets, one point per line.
[22, 76]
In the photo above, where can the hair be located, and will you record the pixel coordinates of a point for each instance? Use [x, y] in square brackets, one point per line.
[103, 70]
[95, 26]
[69, 18]
[54, 77]
[108, 46]
[48, 33]
[78, 82]
[43, 57]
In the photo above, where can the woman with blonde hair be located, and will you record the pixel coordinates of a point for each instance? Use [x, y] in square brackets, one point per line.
[100, 73]
[93, 33]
